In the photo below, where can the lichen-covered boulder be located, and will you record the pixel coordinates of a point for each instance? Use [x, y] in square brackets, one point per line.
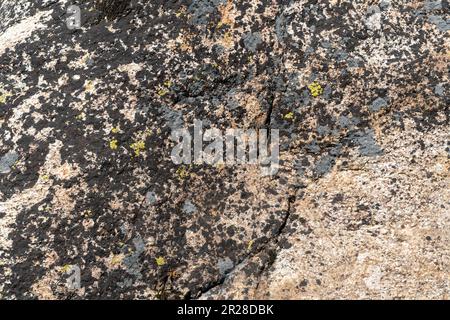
[93, 206]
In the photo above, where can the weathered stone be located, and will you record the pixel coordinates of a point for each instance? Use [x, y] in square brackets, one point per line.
[358, 209]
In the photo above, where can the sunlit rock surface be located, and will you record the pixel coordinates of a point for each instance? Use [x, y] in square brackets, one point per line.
[360, 207]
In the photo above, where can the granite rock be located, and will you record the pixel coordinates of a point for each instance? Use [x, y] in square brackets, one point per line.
[359, 208]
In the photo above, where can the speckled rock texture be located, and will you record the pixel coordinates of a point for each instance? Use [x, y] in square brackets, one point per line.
[359, 209]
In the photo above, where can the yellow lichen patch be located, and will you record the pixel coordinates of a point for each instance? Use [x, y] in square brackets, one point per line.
[65, 268]
[137, 147]
[115, 130]
[250, 245]
[160, 261]
[147, 132]
[4, 96]
[289, 116]
[315, 88]
[182, 172]
[181, 12]
[113, 144]
[162, 92]
[45, 177]
[116, 259]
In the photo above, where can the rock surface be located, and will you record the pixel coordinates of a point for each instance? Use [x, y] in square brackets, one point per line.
[360, 207]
